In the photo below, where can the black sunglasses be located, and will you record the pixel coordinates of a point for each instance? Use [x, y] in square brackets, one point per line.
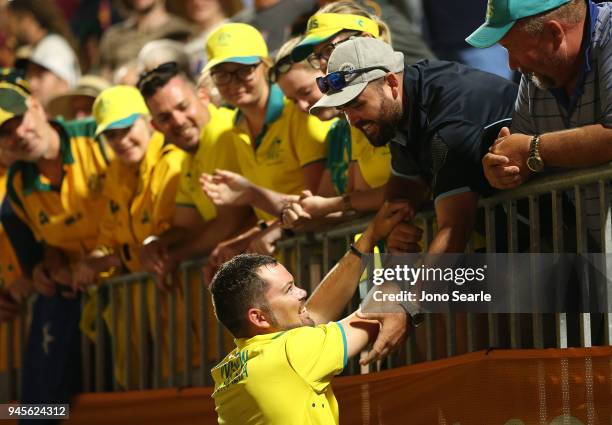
[147, 77]
[325, 52]
[337, 80]
[282, 66]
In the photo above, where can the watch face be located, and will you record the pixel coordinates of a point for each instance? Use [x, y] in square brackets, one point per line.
[535, 164]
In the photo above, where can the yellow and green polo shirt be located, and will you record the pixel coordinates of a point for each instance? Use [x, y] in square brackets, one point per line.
[282, 378]
[9, 265]
[374, 162]
[216, 150]
[289, 140]
[347, 144]
[66, 217]
[139, 201]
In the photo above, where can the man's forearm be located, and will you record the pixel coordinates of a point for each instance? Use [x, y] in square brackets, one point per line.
[579, 147]
[359, 332]
[360, 201]
[337, 288]
[449, 240]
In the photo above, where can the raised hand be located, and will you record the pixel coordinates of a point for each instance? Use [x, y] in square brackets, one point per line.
[227, 188]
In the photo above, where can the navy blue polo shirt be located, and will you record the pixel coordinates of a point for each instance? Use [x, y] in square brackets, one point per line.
[447, 107]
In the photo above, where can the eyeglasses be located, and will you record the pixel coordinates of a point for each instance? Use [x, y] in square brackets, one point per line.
[147, 78]
[282, 66]
[114, 136]
[337, 80]
[242, 74]
[314, 59]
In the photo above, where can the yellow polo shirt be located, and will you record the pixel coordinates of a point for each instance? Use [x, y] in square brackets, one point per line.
[139, 202]
[374, 162]
[66, 217]
[289, 140]
[216, 150]
[9, 265]
[281, 378]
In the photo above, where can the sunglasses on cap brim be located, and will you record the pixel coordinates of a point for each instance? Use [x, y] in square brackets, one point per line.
[336, 81]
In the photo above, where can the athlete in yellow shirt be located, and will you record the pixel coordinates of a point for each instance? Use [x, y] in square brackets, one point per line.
[286, 355]
[201, 130]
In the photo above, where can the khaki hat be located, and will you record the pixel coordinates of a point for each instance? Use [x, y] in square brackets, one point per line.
[87, 86]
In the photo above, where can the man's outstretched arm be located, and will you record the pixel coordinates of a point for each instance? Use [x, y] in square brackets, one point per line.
[335, 291]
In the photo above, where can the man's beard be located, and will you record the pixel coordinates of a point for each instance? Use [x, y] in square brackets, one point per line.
[388, 119]
[542, 82]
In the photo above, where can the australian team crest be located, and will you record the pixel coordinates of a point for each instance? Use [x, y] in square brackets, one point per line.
[43, 218]
[274, 151]
[95, 182]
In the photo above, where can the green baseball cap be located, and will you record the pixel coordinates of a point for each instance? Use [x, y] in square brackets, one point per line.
[14, 91]
[503, 14]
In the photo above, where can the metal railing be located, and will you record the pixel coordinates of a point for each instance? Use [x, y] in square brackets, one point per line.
[148, 338]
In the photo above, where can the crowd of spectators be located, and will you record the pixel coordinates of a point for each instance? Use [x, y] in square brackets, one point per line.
[137, 134]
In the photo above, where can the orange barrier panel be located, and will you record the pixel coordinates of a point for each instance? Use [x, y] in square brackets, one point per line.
[510, 387]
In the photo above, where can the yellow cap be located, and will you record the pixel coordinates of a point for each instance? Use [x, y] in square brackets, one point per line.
[235, 42]
[118, 107]
[323, 26]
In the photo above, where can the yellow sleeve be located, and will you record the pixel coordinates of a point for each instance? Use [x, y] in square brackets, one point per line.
[317, 354]
[374, 162]
[309, 137]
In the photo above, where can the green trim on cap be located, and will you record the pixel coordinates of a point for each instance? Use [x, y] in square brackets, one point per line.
[122, 123]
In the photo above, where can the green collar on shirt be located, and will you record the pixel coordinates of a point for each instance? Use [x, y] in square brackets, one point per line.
[274, 110]
[29, 171]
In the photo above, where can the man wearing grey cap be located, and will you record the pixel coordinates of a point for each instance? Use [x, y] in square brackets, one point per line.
[434, 115]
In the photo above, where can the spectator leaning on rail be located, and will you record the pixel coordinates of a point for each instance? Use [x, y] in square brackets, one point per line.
[433, 114]
[139, 190]
[287, 344]
[439, 111]
[55, 188]
[563, 113]
[201, 130]
[140, 186]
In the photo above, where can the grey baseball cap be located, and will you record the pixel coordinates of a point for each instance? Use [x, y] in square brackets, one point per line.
[354, 54]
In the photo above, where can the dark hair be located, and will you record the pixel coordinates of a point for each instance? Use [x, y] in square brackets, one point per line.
[47, 14]
[237, 287]
[151, 81]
